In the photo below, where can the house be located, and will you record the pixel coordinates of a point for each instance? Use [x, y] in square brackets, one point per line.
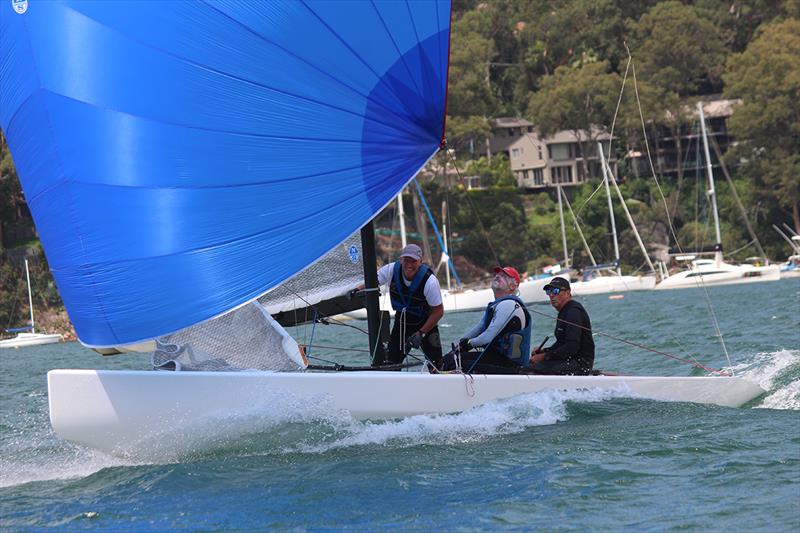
[542, 162]
[672, 156]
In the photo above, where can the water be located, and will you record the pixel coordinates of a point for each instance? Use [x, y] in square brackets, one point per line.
[552, 461]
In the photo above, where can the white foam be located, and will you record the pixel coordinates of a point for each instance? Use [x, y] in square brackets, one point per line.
[277, 427]
[771, 370]
[67, 462]
[787, 397]
[500, 417]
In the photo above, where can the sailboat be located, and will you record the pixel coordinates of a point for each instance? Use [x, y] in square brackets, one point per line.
[183, 161]
[707, 272]
[27, 336]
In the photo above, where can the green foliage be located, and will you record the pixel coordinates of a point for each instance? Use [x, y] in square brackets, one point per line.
[678, 50]
[493, 173]
[577, 99]
[766, 76]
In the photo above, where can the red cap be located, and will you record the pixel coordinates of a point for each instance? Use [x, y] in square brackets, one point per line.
[511, 272]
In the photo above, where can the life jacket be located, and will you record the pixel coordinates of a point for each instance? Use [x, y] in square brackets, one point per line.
[411, 297]
[514, 344]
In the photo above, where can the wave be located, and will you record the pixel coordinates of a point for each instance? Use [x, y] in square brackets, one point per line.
[272, 429]
[779, 374]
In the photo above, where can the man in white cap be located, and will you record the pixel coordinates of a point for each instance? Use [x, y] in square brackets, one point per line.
[417, 301]
[501, 342]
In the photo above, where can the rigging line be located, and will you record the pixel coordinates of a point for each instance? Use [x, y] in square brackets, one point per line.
[341, 349]
[619, 102]
[475, 210]
[631, 343]
[611, 133]
[324, 317]
[699, 279]
[14, 303]
[748, 245]
[649, 154]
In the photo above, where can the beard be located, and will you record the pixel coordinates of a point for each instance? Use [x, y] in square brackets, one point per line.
[500, 284]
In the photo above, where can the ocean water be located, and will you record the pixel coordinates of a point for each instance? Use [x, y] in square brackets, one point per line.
[555, 461]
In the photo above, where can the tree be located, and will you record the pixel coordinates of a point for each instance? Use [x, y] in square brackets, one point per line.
[582, 100]
[766, 76]
[677, 50]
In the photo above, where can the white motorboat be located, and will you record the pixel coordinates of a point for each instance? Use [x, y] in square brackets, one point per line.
[27, 336]
[23, 340]
[607, 284]
[710, 272]
[119, 412]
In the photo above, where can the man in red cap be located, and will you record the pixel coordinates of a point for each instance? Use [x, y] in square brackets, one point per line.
[500, 342]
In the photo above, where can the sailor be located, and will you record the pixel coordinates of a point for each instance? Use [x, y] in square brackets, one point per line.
[573, 351]
[417, 301]
[500, 342]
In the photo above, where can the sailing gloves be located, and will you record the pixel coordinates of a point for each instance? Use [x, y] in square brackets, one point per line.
[464, 346]
[415, 340]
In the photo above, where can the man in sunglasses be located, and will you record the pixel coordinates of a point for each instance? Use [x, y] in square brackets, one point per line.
[573, 351]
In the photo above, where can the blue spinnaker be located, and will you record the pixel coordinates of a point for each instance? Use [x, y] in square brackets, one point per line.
[182, 158]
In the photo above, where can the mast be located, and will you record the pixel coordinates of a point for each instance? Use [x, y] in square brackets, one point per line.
[610, 206]
[630, 220]
[563, 230]
[711, 192]
[445, 258]
[402, 216]
[371, 290]
[30, 298]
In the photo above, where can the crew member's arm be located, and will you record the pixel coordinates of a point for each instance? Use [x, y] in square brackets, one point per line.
[569, 345]
[436, 314]
[433, 295]
[384, 275]
[503, 314]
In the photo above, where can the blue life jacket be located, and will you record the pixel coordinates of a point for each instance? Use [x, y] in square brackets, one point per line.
[412, 297]
[515, 344]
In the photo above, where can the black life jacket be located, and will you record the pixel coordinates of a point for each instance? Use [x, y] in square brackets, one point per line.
[412, 297]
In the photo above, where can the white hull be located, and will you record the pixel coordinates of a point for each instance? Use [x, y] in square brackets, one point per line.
[30, 339]
[120, 411]
[720, 274]
[606, 284]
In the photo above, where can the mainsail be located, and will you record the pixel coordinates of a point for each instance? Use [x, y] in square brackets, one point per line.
[180, 159]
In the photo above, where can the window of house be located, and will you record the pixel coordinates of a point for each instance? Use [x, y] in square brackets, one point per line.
[510, 132]
[530, 129]
[515, 152]
[538, 176]
[560, 151]
[540, 151]
[561, 174]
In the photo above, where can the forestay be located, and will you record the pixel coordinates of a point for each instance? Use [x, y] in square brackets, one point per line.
[182, 158]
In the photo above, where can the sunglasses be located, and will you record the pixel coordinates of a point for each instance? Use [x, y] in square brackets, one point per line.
[554, 291]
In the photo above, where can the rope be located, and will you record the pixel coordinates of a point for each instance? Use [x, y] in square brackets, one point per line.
[699, 279]
[635, 344]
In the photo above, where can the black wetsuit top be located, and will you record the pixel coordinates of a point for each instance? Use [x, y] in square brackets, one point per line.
[573, 351]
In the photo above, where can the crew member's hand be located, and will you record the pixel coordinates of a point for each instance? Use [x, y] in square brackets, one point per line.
[415, 340]
[537, 350]
[463, 345]
[537, 357]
